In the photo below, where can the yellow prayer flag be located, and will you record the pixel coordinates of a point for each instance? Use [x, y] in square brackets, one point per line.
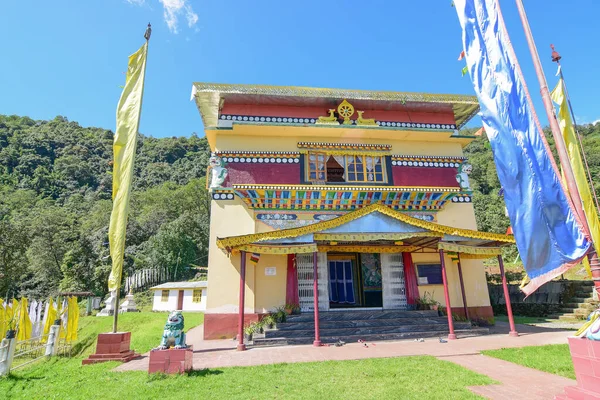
[24, 323]
[569, 135]
[128, 120]
[11, 314]
[2, 320]
[50, 317]
[72, 319]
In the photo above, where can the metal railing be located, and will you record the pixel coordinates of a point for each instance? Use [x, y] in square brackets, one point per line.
[29, 350]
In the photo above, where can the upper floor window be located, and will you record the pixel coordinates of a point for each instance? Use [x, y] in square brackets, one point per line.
[355, 168]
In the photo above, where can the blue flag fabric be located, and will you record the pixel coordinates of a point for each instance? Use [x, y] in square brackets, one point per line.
[548, 235]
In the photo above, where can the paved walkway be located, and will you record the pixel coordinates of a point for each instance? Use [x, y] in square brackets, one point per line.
[517, 382]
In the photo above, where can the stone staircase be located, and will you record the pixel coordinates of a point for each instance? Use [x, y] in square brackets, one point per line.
[579, 306]
[350, 326]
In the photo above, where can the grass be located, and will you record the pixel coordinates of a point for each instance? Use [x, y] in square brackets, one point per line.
[554, 358]
[523, 320]
[407, 378]
[65, 378]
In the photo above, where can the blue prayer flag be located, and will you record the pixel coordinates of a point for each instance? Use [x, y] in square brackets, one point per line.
[548, 235]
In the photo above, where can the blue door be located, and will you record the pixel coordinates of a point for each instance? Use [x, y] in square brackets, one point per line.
[341, 281]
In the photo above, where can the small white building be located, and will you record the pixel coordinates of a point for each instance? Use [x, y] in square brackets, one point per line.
[182, 296]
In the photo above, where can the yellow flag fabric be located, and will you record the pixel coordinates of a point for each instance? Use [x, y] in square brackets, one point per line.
[128, 119]
[72, 319]
[2, 320]
[50, 318]
[569, 135]
[24, 327]
[11, 314]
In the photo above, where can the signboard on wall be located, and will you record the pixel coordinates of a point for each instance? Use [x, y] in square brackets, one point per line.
[270, 271]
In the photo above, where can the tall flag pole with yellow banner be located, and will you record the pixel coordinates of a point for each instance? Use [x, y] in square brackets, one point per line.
[129, 111]
[582, 173]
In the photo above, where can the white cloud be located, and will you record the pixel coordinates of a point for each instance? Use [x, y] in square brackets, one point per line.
[173, 9]
[596, 122]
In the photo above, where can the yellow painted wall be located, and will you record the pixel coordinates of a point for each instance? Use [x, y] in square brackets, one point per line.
[270, 290]
[284, 141]
[228, 218]
[476, 290]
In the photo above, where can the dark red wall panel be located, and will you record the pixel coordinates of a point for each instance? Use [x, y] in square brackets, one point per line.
[419, 176]
[260, 173]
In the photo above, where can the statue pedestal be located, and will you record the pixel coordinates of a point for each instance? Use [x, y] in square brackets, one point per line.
[171, 361]
[112, 347]
[585, 354]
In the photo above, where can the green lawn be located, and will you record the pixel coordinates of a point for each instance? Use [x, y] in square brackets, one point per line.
[406, 377]
[554, 358]
[523, 320]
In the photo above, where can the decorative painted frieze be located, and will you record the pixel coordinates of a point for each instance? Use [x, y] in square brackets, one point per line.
[343, 198]
[344, 146]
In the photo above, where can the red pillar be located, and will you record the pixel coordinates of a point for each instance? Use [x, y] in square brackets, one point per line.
[241, 346]
[462, 288]
[513, 332]
[317, 341]
[451, 335]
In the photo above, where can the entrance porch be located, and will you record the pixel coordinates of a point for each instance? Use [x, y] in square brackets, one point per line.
[369, 257]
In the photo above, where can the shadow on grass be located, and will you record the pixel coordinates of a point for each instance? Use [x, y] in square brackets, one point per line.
[204, 372]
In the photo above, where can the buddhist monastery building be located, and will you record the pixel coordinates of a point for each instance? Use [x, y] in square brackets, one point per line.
[351, 204]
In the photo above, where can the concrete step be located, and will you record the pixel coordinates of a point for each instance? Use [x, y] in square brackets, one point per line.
[367, 338]
[362, 331]
[362, 323]
[361, 315]
[567, 317]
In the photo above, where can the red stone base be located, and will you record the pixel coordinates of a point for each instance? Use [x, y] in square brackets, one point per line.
[483, 312]
[586, 360]
[112, 347]
[171, 361]
[225, 326]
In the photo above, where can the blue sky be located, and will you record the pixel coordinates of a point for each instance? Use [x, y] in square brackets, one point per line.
[68, 57]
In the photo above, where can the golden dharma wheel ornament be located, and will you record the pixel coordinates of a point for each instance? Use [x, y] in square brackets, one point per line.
[346, 110]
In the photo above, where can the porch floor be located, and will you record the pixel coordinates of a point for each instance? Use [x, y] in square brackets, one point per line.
[516, 382]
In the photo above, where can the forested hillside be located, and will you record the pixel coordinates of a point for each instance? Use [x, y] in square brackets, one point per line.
[55, 203]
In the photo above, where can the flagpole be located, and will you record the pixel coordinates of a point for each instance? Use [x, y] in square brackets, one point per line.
[563, 156]
[560, 146]
[147, 35]
[556, 58]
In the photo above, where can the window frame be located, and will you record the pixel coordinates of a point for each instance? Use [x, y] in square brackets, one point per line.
[383, 174]
[162, 295]
[432, 263]
[195, 299]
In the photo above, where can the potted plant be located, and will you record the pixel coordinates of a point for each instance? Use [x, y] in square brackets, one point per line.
[426, 302]
[280, 314]
[268, 322]
[259, 330]
[248, 331]
[292, 308]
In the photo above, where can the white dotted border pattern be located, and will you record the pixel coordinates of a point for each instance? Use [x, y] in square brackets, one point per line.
[461, 199]
[300, 120]
[222, 196]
